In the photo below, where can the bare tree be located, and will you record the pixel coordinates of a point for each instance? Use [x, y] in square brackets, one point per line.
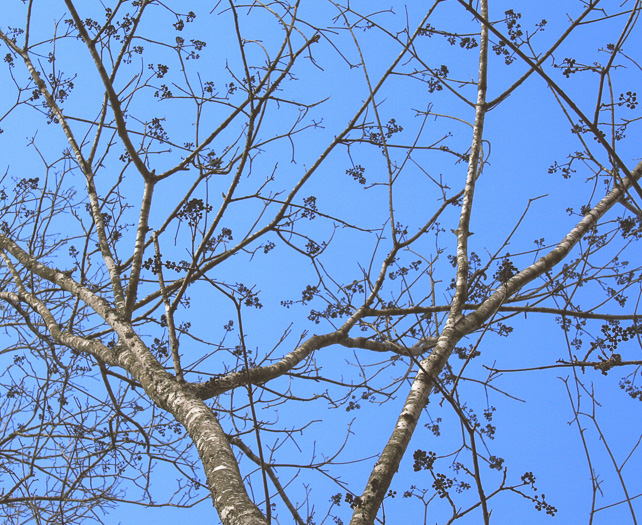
[238, 244]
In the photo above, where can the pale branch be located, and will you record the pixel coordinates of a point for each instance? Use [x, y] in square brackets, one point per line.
[474, 170]
[453, 331]
[169, 315]
[224, 479]
[632, 207]
[139, 248]
[92, 347]
[483, 18]
[390, 458]
[536, 65]
[225, 482]
[14, 300]
[578, 314]
[179, 283]
[61, 279]
[604, 366]
[109, 88]
[85, 168]
[475, 319]
[258, 375]
[241, 108]
[388, 346]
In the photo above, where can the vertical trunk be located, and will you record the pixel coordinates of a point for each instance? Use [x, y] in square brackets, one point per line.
[395, 449]
[223, 476]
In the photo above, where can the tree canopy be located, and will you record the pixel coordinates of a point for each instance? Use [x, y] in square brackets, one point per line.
[320, 262]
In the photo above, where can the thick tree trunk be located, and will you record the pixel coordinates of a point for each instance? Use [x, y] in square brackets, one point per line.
[223, 476]
[224, 479]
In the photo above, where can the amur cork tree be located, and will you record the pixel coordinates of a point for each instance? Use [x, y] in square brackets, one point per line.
[318, 262]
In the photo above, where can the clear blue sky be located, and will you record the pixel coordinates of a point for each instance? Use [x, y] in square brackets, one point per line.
[527, 133]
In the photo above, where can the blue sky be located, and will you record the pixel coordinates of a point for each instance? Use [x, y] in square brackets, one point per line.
[526, 135]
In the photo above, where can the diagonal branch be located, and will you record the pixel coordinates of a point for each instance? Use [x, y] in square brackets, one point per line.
[109, 88]
[390, 458]
[483, 18]
[86, 169]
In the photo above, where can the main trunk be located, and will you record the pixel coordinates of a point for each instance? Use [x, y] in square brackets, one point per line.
[223, 476]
